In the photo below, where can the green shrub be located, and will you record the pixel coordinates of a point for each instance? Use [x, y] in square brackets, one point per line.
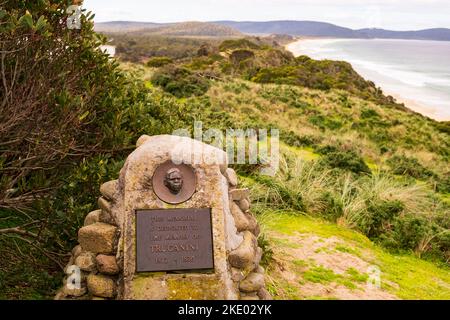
[157, 62]
[403, 165]
[369, 113]
[380, 217]
[267, 256]
[238, 44]
[181, 82]
[346, 160]
[325, 122]
[238, 56]
[332, 207]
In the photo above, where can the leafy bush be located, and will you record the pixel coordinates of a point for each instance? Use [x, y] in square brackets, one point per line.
[237, 56]
[157, 62]
[181, 82]
[346, 160]
[238, 44]
[403, 165]
[381, 215]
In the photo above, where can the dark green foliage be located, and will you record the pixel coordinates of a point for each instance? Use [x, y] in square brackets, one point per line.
[237, 56]
[369, 113]
[157, 62]
[135, 47]
[238, 44]
[443, 184]
[380, 217]
[291, 139]
[267, 256]
[346, 160]
[332, 206]
[181, 82]
[324, 122]
[403, 165]
[443, 126]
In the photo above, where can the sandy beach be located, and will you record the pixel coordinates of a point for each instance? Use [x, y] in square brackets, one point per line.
[406, 87]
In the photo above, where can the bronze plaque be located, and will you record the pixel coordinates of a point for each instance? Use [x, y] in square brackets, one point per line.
[174, 183]
[174, 240]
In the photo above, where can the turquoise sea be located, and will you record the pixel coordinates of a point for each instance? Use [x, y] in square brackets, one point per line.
[416, 72]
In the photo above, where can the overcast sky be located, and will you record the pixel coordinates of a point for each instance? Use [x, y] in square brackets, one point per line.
[389, 14]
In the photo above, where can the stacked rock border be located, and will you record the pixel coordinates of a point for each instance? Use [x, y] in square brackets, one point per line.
[96, 254]
[245, 260]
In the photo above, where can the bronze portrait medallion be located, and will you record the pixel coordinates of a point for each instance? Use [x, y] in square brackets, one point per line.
[174, 183]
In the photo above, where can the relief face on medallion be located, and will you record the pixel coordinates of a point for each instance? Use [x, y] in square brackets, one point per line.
[174, 183]
[174, 180]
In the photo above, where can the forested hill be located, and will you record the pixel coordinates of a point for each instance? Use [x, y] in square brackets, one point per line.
[321, 29]
[169, 29]
[294, 28]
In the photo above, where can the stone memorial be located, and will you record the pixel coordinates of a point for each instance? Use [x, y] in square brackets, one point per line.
[174, 226]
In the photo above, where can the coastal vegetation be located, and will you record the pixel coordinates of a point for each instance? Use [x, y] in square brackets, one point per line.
[356, 165]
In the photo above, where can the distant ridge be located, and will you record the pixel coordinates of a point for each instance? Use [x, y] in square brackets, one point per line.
[192, 28]
[287, 27]
[322, 29]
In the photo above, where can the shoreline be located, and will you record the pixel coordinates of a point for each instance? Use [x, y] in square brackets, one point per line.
[412, 104]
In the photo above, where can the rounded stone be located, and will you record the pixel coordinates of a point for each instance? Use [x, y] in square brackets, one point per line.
[231, 176]
[253, 282]
[259, 269]
[252, 223]
[107, 264]
[76, 251]
[237, 274]
[104, 204]
[239, 194]
[109, 189]
[92, 217]
[240, 219]
[244, 256]
[86, 261]
[98, 238]
[74, 292]
[244, 204]
[263, 294]
[258, 256]
[101, 286]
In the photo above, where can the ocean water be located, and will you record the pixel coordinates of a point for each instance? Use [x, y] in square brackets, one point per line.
[415, 72]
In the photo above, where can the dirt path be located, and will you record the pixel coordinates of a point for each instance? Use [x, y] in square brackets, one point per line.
[307, 266]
